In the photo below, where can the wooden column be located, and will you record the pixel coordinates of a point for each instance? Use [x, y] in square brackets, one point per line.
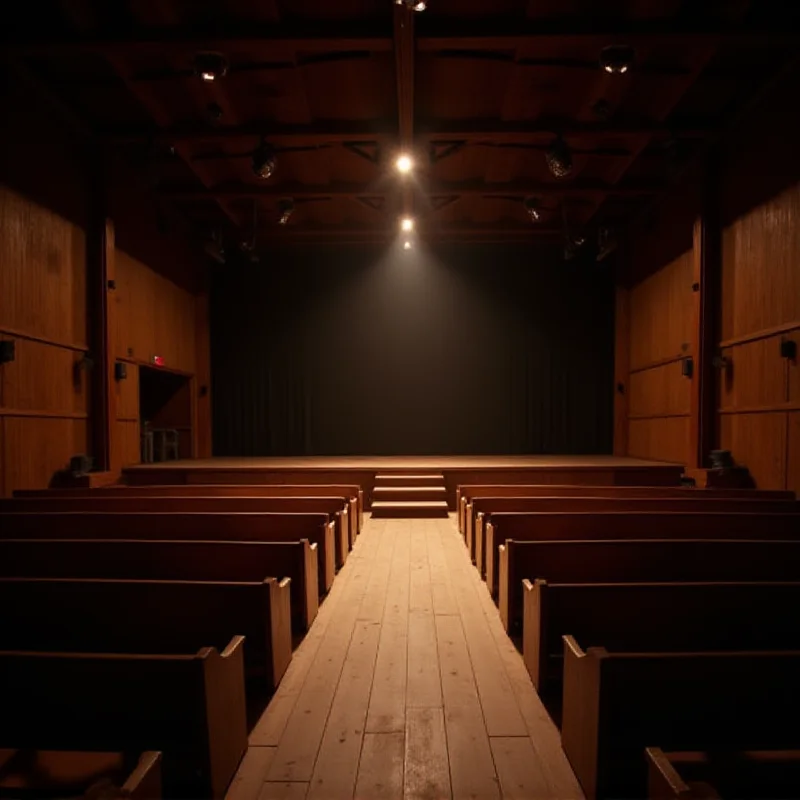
[201, 402]
[706, 292]
[622, 351]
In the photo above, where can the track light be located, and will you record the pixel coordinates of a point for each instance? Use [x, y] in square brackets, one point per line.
[264, 161]
[532, 208]
[617, 59]
[210, 67]
[412, 5]
[404, 164]
[559, 158]
[407, 224]
[285, 209]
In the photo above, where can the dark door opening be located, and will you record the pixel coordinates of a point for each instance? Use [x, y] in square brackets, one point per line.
[165, 410]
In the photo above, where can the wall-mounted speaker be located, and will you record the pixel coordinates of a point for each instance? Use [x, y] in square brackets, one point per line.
[687, 367]
[80, 465]
[8, 351]
[120, 371]
[789, 349]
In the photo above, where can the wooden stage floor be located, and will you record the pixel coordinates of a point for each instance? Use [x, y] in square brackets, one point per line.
[405, 463]
[406, 687]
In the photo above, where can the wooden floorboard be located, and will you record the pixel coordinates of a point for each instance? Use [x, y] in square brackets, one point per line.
[406, 686]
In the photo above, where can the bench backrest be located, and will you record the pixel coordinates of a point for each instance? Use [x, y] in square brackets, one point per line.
[616, 704]
[61, 701]
[194, 490]
[650, 616]
[147, 616]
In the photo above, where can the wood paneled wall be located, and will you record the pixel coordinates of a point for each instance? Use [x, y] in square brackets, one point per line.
[754, 307]
[759, 390]
[659, 297]
[45, 298]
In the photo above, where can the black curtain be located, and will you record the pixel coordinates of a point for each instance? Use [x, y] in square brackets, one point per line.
[456, 350]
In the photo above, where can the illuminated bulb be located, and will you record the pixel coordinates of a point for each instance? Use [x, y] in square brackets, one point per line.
[404, 164]
[407, 246]
[208, 76]
[407, 225]
[617, 59]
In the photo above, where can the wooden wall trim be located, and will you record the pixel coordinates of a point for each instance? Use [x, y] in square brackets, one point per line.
[17, 334]
[765, 409]
[766, 333]
[27, 412]
[662, 362]
[659, 416]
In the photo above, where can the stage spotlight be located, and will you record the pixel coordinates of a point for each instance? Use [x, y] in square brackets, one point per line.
[559, 158]
[407, 224]
[264, 161]
[617, 59]
[406, 245]
[285, 209]
[210, 67]
[532, 207]
[404, 164]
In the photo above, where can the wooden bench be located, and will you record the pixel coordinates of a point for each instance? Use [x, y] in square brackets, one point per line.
[652, 612]
[38, 773]
[470, 493]
[701, 775]
[267, 528]
[351, 493]
[150, 616]
[123, 559]
[332, 546]
[618, 703]
[485, 507]
[189, 706]
[630, 525]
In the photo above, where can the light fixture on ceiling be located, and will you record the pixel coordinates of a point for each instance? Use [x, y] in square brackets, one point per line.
[285, 210]
[209, 66]
[404, 164]
[559, 158]
[412, 5]
[532, 209]
[407, 224]
[617, 59]
[264, 161]
[406, 245]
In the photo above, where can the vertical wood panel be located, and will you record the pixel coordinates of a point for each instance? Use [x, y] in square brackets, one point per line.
[36, 448]
[128, 394]
[756, 375]
[621, 369]
[43, 275]
[128, 442]
[793, 453]
[758, 442]
[661, 391]
[665, 439]
[202, 383]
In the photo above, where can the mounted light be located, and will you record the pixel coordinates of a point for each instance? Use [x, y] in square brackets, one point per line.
[412, 5]
[407, 224]
[210, 67]
[404, 164]
[285, 209]
[406, 245]
[617, 59]
[559, 158]
[264, 161]
[532, 209]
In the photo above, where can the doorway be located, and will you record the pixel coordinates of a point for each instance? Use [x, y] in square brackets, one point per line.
[165, 412]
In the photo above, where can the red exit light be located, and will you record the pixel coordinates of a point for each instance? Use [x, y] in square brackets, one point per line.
[158, 361]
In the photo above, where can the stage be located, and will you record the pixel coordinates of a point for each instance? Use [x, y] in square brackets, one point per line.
[361, 470]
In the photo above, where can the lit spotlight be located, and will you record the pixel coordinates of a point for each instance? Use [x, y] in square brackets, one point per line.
[407, 224]
[404, 164]
[407, 246]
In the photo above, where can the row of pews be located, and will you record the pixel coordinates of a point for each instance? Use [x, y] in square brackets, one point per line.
[138, 626]
[660, 625]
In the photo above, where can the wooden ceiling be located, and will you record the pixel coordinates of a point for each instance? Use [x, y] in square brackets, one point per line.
[475, 89]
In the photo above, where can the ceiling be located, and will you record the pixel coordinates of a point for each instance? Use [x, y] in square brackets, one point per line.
[476, 90]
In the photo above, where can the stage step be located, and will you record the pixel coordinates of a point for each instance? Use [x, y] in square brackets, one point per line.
[431, 479]
[399, 509]
[409, 493]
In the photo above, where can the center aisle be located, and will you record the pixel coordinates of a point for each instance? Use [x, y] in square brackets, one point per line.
[406, 686]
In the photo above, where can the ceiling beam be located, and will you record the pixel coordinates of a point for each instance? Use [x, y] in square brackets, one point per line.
[471, 188]
[428, 130]
[460, 232]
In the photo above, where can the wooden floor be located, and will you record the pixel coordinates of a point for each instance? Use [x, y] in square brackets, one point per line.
[406, 687]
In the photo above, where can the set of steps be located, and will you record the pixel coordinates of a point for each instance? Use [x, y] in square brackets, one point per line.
[404, 495]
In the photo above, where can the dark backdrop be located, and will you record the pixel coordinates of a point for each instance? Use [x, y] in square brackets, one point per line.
[367, 351]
